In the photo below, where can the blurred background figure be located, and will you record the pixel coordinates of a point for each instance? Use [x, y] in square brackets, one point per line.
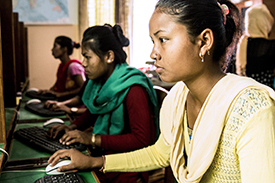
[255, 51]
[70, 73]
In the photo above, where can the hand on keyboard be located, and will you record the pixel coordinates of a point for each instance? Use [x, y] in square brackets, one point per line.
[37, 138]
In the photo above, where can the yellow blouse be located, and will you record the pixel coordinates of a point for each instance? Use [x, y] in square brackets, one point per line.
[245, 151]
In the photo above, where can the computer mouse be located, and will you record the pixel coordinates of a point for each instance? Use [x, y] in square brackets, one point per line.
[33, 101]
[53, 122]
[32, 89]
[52, 170]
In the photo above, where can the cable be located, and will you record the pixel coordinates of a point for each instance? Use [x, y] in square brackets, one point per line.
[6, 157]
[8, 171]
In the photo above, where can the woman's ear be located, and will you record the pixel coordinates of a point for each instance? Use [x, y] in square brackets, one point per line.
[110, 57]
[206, 41]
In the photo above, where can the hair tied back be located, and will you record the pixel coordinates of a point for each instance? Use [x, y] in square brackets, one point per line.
[225, 11]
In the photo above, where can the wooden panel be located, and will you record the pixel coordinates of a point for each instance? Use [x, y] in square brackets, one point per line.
[2, 109]
[18, 51]
[25, 50]
[8, 56]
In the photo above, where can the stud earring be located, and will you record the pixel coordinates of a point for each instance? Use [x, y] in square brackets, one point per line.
[109, 61]
[202, 57]
[208, 52]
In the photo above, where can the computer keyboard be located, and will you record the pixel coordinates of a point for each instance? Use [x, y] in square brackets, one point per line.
[66, 177]
[38, 139]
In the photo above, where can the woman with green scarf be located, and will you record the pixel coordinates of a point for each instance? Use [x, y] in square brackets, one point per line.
[121, 102]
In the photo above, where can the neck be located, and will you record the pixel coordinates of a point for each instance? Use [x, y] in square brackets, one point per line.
[64, 59]
[201, 87]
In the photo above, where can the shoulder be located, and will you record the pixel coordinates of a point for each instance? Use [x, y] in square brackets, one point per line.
[76, 68]
[253, 99]
[248, 105]
[135, 92]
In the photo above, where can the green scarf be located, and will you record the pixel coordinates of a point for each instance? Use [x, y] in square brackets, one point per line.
[107, 99]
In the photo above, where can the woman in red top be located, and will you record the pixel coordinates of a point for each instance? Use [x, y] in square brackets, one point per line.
[70, 73]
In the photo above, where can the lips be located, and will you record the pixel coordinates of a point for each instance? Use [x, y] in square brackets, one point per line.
[158, 68]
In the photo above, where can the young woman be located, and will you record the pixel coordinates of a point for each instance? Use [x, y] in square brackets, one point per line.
[121, 102]
[215, 127]
[70, 73]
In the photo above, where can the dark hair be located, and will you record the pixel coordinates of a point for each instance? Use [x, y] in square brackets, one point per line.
[101, 39]
[198, 15]
[65, 41]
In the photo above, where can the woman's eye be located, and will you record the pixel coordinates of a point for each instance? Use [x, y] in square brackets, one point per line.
[163, 40]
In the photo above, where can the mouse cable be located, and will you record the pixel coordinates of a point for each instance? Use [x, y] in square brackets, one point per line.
[6, 155]
[18, 171]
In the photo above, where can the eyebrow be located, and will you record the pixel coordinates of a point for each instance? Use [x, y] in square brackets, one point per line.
[156, 33]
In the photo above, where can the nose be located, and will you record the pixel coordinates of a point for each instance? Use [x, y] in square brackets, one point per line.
[84, 62]
[155, 54]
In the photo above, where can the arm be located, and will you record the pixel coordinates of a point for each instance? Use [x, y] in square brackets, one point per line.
[152, 157]
[78, 79]
[256, 148]
[149, 158]
[77, 74]
[141, 124]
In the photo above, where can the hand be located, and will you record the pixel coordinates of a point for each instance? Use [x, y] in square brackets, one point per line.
[57, 106]
[79, 160]
[53, 131]
[42, 92]
[49, 104]
[74, 136]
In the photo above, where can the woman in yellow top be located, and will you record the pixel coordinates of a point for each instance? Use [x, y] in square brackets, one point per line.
[215, 127]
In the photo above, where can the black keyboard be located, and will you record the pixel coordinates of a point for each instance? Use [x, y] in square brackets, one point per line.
[61, 178]
[38, 139]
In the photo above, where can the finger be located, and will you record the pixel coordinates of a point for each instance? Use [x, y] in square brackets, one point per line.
[67, 170]
[56, 133]
[58, 155]
[51, 132]
[67, 139]
[71, 141]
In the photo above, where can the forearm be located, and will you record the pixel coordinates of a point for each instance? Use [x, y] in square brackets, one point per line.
[71, 102]
[149, 158]
[69, 93]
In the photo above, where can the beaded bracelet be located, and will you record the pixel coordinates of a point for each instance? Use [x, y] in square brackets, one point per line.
[101, 169]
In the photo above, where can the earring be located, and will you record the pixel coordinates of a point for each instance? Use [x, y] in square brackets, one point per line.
[202, 57]
[109, 61]
[208, 52]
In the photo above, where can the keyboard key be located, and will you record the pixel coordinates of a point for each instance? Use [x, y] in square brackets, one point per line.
[66, 177]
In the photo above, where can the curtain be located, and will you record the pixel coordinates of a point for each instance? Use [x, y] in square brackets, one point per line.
[83, 17]
[124, 17]
[99, 12]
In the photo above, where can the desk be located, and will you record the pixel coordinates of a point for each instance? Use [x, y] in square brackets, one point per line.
[19, 151]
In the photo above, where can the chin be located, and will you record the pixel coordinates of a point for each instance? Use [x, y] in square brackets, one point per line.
[167, 80]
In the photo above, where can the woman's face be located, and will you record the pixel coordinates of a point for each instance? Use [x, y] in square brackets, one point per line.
[177, 58]
[95, 67]
[57, 51]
